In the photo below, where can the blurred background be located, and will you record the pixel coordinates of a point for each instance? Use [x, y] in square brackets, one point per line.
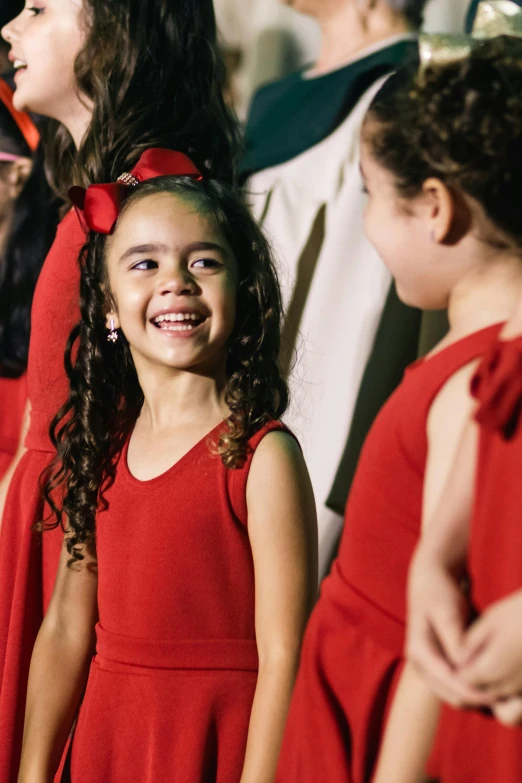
[265, 39]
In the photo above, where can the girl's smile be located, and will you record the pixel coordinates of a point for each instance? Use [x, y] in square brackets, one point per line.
[179, 323]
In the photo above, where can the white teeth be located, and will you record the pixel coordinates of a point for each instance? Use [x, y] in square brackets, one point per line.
[177, 328]
[177, 317]
[19, 64]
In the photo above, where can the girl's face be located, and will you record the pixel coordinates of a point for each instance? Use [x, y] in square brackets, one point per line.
[402, 232]
[45, 39]
[174, 281]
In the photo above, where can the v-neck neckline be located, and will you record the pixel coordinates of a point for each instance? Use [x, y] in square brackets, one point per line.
[147, 483]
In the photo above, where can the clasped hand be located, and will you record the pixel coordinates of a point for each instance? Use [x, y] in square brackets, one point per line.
[466, 665]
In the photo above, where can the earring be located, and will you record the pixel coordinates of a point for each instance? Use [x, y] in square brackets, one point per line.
[113, 333]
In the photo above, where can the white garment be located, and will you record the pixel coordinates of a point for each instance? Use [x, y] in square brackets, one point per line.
[344, 303]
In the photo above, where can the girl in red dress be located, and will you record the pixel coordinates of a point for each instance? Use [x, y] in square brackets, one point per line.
[116, 78]
[476, 533]
[197, 573]
[28, 220]
[430, 170]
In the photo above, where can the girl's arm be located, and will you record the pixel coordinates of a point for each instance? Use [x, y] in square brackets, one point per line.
[59, 669]
[437, 608]
[413, 718]
[283, 535]
[6, 478]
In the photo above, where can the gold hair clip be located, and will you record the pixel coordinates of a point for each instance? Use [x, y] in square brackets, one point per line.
[128, 179]
[494, 18]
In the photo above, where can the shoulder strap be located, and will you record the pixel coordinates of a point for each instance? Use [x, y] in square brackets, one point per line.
[237, 478]
[462, 352]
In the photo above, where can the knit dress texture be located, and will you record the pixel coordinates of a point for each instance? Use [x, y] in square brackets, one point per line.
[171, 686]
[13, 396]
[353, 647]
[477, 748]
[28, 562]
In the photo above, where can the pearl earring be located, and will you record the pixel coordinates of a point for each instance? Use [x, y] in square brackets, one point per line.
[113, 333]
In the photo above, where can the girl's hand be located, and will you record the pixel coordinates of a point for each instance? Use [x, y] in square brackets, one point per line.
[491, 653]
[509, 711]
[437, 618]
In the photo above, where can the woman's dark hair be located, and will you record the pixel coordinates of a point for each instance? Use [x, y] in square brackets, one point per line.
[461, 123]
[105, 397]
[154, 74]
[31, 233]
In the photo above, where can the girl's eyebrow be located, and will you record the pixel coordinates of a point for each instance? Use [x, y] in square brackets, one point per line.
[152, 247]
[156, 247]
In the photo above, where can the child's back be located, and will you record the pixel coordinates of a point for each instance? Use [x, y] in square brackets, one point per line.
[355, 638]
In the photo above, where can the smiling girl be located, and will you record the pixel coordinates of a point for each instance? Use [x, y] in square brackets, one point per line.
[195, 578]
[93, 67]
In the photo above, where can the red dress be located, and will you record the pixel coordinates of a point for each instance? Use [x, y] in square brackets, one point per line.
[28, 567]
[176, 654]
[478, 749]
[352, 652]
[13, 395]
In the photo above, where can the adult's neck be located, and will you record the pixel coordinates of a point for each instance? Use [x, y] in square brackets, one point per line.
[350, 30]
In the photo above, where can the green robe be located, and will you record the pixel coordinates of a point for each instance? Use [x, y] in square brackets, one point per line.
[289, 116]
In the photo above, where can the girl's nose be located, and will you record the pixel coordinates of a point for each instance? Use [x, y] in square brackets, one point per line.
[9, 31]
[180, 283]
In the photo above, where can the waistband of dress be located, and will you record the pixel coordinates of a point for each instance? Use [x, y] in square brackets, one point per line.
[189, 654]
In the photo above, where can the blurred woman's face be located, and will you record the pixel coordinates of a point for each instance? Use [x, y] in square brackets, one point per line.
[321, 9]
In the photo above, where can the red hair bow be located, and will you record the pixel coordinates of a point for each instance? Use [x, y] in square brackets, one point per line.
[98, 207]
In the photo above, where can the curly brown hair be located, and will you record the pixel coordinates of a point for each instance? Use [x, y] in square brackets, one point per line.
[461, 123]
[105, 397]
[155, 76]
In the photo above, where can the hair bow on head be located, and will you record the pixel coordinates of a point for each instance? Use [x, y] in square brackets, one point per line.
[494, 18]
[98, 206]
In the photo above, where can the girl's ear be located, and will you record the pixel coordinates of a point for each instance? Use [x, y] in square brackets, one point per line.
[111, 320]
[440, 209]
[19, 173]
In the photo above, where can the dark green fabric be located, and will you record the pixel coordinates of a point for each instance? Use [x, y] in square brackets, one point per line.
[289, 116]
[396, 345]
[470, 15]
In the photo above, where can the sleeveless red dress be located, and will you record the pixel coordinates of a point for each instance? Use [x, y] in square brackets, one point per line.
[13, 396]
[353, 646]
[28, 565]
[176, 655]
[478, 749]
